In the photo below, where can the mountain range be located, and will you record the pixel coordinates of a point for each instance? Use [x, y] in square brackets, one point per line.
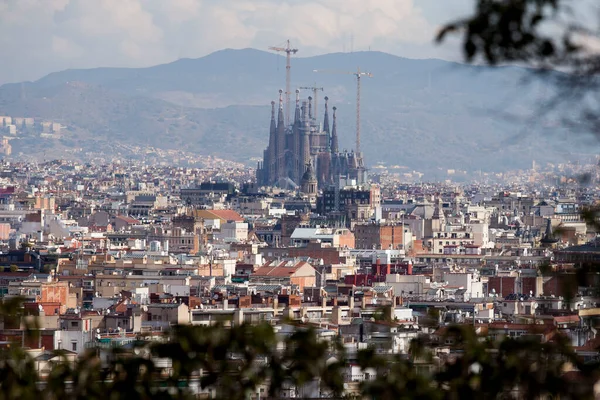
[424, 115]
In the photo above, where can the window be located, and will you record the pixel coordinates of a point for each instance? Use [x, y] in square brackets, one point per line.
[74, 346]
[74, 324]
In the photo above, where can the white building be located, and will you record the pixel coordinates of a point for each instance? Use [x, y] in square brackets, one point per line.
[416, 285]
[233, 231]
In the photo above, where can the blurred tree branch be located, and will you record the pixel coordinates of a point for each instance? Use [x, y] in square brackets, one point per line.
[548, 36]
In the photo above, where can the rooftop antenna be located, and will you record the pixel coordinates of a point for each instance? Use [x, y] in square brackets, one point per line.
[288, 66]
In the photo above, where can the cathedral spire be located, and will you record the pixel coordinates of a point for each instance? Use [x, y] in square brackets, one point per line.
[280, 140]
[297, 113]
[280, 115]
[309, 107]
[273, 125]
[326, 118]
[334, 138]
[303, 108]
[269, 162]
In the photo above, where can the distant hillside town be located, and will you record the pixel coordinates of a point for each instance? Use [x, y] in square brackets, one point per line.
[13, 127]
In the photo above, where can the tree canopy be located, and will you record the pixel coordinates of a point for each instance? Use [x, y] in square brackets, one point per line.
[252, 361]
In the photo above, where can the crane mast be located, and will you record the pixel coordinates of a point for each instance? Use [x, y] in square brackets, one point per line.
[288, 75]
[358, 74]
[358, 111]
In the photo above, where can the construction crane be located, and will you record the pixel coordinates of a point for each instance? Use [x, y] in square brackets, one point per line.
[288, 66]
[314, 89]
[358, 74]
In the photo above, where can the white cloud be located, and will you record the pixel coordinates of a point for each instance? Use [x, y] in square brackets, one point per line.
[47, 35]
[65, 48]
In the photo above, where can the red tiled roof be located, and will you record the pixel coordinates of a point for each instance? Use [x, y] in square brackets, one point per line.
[128, 220]
[590, 345]
[279, 270]
[14, 274]
[228, 215]
[565, 319]
[530, 328]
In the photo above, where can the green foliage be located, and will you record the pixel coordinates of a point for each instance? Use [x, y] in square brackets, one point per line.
[47, 268]
[383, 314]
[482, 369]
[507, 31]
[235, 362]
[547, 35]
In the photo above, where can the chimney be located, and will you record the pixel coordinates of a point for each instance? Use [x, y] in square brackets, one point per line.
[288, 313]
[336, 315]
[238, 317]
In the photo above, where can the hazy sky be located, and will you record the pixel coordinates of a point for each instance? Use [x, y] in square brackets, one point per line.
[42, 36]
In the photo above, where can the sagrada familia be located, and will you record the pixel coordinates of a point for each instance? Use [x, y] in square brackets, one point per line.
[306, 150]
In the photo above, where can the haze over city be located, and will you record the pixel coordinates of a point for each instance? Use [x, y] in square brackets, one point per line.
[319, 199]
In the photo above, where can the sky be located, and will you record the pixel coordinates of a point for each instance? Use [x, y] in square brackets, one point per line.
[42, 36]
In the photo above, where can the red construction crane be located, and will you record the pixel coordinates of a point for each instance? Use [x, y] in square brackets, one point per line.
[288, 66]
[358, 74]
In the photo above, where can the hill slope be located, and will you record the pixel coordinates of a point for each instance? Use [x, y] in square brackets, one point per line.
[425, 114]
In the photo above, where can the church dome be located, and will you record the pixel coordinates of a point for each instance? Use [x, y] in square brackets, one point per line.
[309, 174]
